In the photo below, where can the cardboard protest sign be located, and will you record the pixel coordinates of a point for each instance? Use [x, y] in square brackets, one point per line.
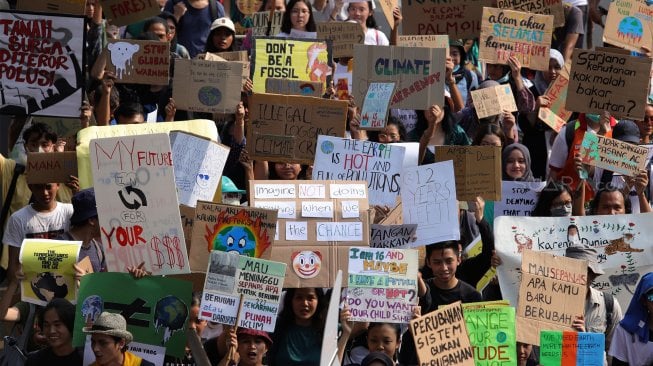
[441, 337]
[198, 165]
[491, 332]
[392, 236]
[247, 230]
[343, 36]
[138, 62]
[318, 221]
[156, 308]
[551, 294]
[375, 106]
[493, 101]
[206, 86]
[329, 353]
[137, 204]
[601, 81]
[41, 73]
[378, 164]
[459, 20]
[428, 196]
[285, 128]
[417, 72]
[544, 7]
[234, 56]
[294, 87]
[260, 21]
[48, 268]
[73, 7]
[204, 128]
[382, 284]
[507, 33]
[259, 281]
[122, 12]
[612, 154]
[571, 348]
[628, 25]
[288, 58]
[556, 115]
[517, 198]
[428, 41]
[478, 170]
[54, 167]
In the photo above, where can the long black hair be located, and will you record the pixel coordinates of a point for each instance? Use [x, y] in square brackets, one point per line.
[286, 24]
[64, 309]
[370, 22]
[550, 192]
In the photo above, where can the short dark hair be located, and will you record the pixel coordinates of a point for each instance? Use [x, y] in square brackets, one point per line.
[443, 245]
[609, 188]
[64, 309]
[128, 110]
[40, 129]
[550, 192]
[154, 20]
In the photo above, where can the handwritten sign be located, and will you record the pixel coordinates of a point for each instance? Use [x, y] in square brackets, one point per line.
[41, 72]
[493, 101]
[285, 128]
[48, 268]
[517, 198]
[294, 87]
[417, 72]
[556, 115]
[392, 236]
[428, 196]
[137, 204]
[612, 154]
[571, 348]
[206, 86]
[139, 62]
[492, 334]
[375, 106]
[260, 22]
[343, 36]
[428, 41]
[125, 13]
[628, 25]
[382, 285]
[378, 164]
[198, 165]
[55, 167]
[246, 230]
[601, 81]
[459, 20]
[478, 170]
[318, 220]
[507, 33]
[259, 281]
[545, 7]
[441, 337]
[288, 58]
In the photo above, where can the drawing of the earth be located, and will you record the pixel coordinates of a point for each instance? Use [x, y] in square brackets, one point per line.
[327, 147]
[170, 313]
[92, 307]
[631, 28]
[209, 95]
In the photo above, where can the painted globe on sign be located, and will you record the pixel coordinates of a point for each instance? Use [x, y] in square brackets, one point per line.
[209, 96]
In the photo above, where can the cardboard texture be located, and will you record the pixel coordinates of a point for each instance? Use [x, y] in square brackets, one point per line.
[417, 72]
[56, 167]
[441, 337]
[392, 236]
[187, 215]
[288, 58]
[285, 128]
[73, 7]
[602, 81]
[121, 12]
[628, 25]
[343, 36]
[478, 170]
[491, 332]
[42, 72]
[375, 106]
[571, 348]
[206, 86]
[517, 198]
[317, 222]
[386, 7]
[428, 41]
[294, 87]
[493, 101]
[139, 62]
[508, 33]
[459, 20]
[556, 115]
[246, 230]
[260, 21]
[235, 56]
[544, 7]
[612, 154]
[551, 294]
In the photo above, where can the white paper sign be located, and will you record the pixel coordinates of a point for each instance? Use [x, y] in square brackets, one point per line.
[317, 209]
[350, 209]
[517, 198]
[296, 230]
[339, 231]
[286, 209]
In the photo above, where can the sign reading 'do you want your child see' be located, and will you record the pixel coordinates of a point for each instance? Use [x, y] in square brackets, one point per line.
[612, 154]
[428, 196]
[493, 101]
[122, 12]
[285, 128]
[551, 294]
[459, 20]
[137, 203]
[343, 36]
[478, 170]
[601, 81]
[382, 285]
[556, 115]
[41, 72]
[507, 33]
[139, 62]
[259, 281]
[441, 337]
[544, 7]
[55, 167]
[628, 25]
[206, 86]
[418, 73]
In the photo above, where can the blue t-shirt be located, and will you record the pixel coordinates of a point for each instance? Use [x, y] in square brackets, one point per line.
[194, 26]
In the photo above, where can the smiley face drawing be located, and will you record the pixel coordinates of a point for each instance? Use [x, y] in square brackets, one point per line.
[307, 264]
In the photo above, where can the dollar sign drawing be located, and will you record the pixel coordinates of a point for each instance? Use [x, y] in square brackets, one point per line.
[167, 242]
[180, 254]
[160, 258]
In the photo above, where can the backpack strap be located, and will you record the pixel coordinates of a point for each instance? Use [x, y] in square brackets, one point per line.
[213, 7]
[18, 170]
[609, 308]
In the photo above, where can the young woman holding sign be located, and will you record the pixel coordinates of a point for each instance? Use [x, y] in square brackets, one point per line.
[299, 19]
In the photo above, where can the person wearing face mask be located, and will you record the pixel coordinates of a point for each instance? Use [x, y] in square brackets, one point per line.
[556, 200]
[231, 195]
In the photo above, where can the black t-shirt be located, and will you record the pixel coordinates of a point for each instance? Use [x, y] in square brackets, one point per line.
[47, 357]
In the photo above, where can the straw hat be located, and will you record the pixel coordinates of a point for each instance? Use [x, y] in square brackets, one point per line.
[110, 324]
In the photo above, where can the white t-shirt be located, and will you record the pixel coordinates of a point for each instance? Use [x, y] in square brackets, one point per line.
[634, 352]
[376, 37]
[560, 150]
[27, 223]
